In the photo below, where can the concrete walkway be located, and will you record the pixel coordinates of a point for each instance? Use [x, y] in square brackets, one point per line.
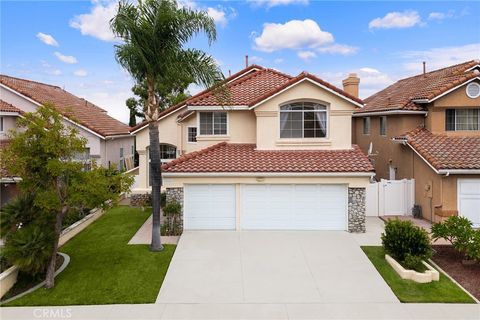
[144, 235]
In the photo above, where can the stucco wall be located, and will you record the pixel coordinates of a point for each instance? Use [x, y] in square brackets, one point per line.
[113, 149]
[339, 120]
[386, 152]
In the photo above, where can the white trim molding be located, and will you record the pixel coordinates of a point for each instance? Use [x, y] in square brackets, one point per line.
[216, 108]
[386, 113]
[9, 113]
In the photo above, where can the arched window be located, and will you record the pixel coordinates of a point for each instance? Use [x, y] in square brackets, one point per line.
[303, 120]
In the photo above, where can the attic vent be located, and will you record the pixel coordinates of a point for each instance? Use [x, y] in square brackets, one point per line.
[473, 90]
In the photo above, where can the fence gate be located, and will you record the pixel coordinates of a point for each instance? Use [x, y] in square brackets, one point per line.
[390, 197]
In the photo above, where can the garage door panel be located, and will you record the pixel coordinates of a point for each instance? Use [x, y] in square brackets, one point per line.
[469, 199]
[209, 207]
[294, 207]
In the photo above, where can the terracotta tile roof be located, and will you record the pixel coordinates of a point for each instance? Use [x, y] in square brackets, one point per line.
[399, 95]
[240, 74]
[255, 85]
[72, 107]
[7, 107]
[226, 157]
[445, 152]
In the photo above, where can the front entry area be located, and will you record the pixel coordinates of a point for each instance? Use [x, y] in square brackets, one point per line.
[266, 207]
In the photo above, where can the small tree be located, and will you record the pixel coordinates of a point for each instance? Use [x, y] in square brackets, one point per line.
[43, 154]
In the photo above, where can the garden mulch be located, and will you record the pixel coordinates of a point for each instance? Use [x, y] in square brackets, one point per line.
[451, 262]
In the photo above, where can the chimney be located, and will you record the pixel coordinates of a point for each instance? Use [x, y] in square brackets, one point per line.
[424, 67]
[246, 61]
[350, 85]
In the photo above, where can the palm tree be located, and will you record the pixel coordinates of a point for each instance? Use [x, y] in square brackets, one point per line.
[154, 35]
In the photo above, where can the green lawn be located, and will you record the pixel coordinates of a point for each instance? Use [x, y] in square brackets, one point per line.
[444, 291]
[103, 268]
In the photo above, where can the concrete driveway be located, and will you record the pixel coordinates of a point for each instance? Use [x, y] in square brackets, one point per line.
[272, 267]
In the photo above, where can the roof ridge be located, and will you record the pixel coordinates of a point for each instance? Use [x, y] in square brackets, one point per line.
[468, 63]
[33, 81]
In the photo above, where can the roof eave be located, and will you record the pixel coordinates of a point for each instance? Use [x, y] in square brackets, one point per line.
[269, 174]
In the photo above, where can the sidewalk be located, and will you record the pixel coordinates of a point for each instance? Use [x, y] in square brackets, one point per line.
[248, 311]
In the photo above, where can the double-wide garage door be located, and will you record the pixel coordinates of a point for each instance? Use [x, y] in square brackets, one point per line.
[266, 207]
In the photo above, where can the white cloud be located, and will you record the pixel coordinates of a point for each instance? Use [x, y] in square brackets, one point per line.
[219, 14]
[399, 20]
[255, 59]
[278, 61]
[440, 16]
[371, 80]
[294, 34]
[306, 55]
[80, 73]
[47, 39]
[97, 22]
[338, 49]
[440, 57]
[274, 3]
[54, 72]
[66, 59]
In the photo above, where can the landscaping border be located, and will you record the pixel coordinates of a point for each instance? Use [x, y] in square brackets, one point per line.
[453, 280]
[66, 261]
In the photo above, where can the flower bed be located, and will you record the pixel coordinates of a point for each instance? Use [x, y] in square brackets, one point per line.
[429, 275]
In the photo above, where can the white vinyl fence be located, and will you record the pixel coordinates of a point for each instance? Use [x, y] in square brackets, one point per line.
[390, 197]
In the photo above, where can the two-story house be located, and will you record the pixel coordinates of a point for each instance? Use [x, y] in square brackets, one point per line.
[278, 155]
[427, 127]
[109, 141]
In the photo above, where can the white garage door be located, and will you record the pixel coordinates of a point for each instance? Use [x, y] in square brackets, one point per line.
[294, 207]
[209, 207]
[469, 199]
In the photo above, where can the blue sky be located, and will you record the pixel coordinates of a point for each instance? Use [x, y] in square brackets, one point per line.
[68, 43]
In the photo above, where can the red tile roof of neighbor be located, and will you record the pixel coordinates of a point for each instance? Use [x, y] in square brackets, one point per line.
[225, 157]
[249, 87]
[445, 152]
[399, 95]
[77, 109]
[7, 107]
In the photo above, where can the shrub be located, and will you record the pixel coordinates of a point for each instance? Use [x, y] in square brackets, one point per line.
[171, 226]
[460, 233]
[406, 243]
[163, 199]
[30, 248]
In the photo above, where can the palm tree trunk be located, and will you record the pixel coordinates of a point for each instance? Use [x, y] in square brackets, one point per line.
[156, 178]
[50, 278]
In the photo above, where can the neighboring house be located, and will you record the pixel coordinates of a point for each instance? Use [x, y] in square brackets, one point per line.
[109, 141]
[275, 154]
[427, 127]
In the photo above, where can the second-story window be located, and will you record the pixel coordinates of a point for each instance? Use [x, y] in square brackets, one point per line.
[167, 151]
[366, 125]
[192, 134]
[303, 120]
[462, 119]
[383, 126]
[213, 123]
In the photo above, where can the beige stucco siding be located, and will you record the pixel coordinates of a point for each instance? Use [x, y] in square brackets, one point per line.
[339, 113]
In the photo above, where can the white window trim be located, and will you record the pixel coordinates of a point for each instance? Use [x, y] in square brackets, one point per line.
[188, 128]
[327, 114]
[199, 134]
[455, 121]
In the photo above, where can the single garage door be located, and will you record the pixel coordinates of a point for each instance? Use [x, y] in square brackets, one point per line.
[469, 199]
[209, 206]
[294, 207]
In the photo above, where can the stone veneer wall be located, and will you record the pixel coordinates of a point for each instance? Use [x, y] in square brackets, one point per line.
[140, 200]
[356, 209]
[176, 194]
